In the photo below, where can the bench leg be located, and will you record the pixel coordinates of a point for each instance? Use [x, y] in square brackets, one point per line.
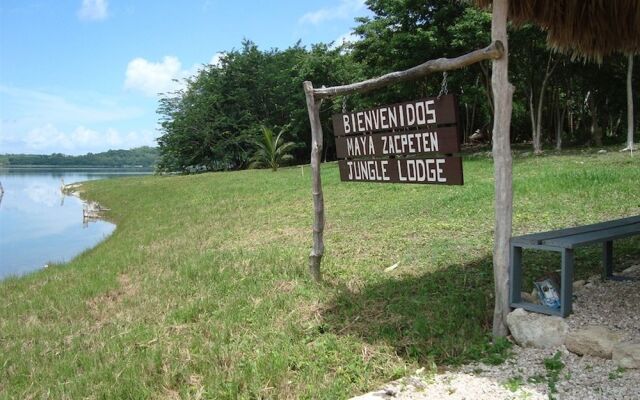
[607, 260]
[516, 274]
[566, 291]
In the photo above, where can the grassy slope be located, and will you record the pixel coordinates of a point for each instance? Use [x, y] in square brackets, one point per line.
[203, 288]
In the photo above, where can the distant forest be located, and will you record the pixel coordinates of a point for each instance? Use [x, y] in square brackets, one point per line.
[139, 157]
[215, 121]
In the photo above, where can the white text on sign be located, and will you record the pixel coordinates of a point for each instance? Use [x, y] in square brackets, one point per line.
[418, 170]
[393, 117]
[400, 143]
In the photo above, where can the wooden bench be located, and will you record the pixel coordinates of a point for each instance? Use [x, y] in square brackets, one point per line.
[565, 241]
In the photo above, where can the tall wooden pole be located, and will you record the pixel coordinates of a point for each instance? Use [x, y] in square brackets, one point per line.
[502, 95]
[630, 145]
[316, 187]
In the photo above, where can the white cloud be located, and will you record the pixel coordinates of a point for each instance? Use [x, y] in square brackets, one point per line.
[346, 9]
[93, 10]
[152, 78]
[39, 121]
[349, 37]
[165, 76]
[49, 139]
[28, 107]
[216, 59]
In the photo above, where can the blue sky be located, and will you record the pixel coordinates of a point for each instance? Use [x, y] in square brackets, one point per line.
[81, 76]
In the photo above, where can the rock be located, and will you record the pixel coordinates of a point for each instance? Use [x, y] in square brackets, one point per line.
[528, 298]
[391, 268]
[536, 330]
[632, 269]
[577, 285]
[603, 151]
[627, 355]
[594, 278]
[595, 341]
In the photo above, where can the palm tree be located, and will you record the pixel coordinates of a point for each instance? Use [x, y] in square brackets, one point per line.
[271, 151]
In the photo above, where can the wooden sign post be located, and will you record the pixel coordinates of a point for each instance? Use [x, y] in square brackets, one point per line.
[382, 120]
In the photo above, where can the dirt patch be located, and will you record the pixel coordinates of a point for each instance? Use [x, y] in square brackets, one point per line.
[285, 286]
[105, 306]
[252, 237]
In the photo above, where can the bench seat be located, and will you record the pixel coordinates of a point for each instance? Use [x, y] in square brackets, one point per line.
[539, 238]
[565, 241]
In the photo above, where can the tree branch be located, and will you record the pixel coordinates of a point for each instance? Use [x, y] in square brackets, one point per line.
[494, 51]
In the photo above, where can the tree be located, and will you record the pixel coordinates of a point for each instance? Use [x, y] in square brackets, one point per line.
[630, 145]
[210, 123]
[272, 151]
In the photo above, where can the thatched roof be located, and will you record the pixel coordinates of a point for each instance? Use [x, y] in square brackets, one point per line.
[587, 29]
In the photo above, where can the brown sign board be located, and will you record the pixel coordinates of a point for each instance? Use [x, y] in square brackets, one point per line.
[431, 111]
[441, 171]
[437, 140]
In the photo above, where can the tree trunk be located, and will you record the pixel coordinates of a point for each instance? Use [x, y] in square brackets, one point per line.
[537, 120]
[596, 130]
[630, 144]
[316, 189]
[559, 125]
[487, 87]
[470, 117]
[502, 100]
[532, 116]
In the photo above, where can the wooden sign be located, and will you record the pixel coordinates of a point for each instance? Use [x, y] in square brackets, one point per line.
[437, 140]
[442, 171]
[431, 111]
[409, 129]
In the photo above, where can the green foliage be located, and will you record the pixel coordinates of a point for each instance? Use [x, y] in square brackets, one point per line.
[491, 352]
[497, 352]
[272, 151]
[617, 373]
[553, 365]
[514, 383]
[139, 157]
[211, 123]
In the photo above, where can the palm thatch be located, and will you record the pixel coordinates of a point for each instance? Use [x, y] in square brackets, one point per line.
[589, 29]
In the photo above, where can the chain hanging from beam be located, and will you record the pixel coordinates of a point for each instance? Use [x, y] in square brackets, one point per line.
[443, 85]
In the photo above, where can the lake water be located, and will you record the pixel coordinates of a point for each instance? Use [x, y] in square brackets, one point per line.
[39, 225]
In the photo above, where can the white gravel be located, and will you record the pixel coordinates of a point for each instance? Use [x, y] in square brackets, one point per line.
[612, 304]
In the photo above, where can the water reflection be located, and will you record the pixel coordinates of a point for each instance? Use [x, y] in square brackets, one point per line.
[39, 224]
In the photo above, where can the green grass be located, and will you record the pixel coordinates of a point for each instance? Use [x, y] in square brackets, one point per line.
[617, 373]
[553, 365]
[514, 383]
[203, 291]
